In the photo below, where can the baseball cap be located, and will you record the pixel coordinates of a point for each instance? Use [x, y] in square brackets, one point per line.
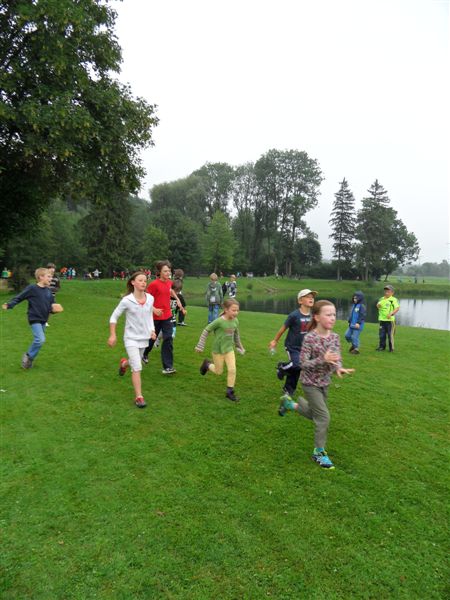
[305, 293]
[388, 287]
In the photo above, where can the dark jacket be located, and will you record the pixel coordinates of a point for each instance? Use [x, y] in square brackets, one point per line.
[40, 300]
[358, 311]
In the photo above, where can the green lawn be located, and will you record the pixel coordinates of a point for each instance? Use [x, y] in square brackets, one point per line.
[198, 498]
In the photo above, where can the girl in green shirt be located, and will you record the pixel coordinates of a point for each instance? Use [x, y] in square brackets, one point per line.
[226, 330]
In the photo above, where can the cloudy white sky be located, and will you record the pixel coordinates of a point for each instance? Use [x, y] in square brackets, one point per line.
[360, 85]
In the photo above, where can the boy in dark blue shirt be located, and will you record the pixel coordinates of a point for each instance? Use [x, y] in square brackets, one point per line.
[297, 325]
[40, 305]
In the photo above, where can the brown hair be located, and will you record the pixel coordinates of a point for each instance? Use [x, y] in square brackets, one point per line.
[229, 302]
[130, 287]
[316, 310]
[160, 264]
[178, 274]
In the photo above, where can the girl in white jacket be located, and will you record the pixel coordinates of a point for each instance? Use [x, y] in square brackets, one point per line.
[139, 328]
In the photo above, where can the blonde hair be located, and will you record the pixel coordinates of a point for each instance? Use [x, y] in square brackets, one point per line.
[316, 310]
[213, 276]
[40, 272]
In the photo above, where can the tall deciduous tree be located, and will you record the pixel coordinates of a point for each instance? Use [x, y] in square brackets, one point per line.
[289, 186]
[343, 225]
[383, 240]
[217, 179]
[65, 123]
[218, 244]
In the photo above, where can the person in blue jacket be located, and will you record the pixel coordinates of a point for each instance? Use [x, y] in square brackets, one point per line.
[356, 320]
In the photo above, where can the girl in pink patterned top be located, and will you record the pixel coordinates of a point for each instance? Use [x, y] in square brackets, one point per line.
[320, 357]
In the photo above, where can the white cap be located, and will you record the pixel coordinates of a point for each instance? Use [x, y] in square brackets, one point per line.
[305, 293]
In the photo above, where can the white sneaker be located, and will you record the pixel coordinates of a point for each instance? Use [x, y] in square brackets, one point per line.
[168, 371]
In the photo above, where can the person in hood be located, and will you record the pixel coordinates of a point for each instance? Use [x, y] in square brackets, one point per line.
[356, 320]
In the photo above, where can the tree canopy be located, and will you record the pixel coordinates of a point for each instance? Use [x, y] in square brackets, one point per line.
[66, 126]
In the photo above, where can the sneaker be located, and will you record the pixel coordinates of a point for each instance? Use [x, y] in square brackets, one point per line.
[280, 371]
[140, 402]
[286, 403]
[47, 324]
[145, 359]
[123, 366]
[322, 459]
[204, 367]
[182, 324]
[27, 362]
[380, 349]
[391, 349]
[168, 371]
[231, 396]
[354, 351]
[351, 348]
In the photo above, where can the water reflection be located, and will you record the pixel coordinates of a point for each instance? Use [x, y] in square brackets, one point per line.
[423, 312]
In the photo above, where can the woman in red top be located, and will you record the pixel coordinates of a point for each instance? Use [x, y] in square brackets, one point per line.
[161, 290]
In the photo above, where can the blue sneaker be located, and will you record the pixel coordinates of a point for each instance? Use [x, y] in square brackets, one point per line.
[322, 459]
[286, 403]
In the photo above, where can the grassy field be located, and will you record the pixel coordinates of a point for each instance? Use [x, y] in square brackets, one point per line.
[199, 498]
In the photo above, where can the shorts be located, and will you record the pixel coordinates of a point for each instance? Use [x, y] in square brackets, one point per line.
[135, 357]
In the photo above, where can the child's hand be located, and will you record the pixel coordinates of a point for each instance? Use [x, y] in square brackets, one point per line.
[153, 335]
[56, 308]
[112, 340]
[197, 349]
[331, 357]
[241, 351]
[158, 311]
[356, 325]
[340, 372]
[272, 345]
[5, 306]
[183, 310]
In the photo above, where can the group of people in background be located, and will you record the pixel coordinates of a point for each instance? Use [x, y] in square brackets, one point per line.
[154, 309]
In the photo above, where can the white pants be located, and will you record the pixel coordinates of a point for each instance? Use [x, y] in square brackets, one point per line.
[135, 357]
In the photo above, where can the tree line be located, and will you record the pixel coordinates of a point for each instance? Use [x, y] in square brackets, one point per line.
[70, 143]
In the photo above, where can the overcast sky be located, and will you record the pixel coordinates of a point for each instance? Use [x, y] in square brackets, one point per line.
[362, 86]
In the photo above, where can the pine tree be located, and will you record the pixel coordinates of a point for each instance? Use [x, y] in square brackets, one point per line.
[343, 225]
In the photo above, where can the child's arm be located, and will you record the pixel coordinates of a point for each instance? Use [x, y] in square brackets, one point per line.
[341, 371]
[112, 334]
[276, 339]
[237, 342]
[202, 341]
[17, 299]
[180, 306]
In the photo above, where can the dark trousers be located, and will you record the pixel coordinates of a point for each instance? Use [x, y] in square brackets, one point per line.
[167, 344]
[183, 304]
[292, 370]
[386, 331]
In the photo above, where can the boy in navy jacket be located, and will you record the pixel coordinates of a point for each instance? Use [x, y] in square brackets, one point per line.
[356, 320]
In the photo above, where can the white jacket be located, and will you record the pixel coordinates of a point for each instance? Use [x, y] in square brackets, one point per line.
[139, 320]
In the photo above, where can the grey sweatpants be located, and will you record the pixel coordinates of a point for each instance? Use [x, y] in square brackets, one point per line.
[315, 408]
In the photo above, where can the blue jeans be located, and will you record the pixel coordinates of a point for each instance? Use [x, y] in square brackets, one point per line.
[213, 312]
[38, 339]
[352, 336]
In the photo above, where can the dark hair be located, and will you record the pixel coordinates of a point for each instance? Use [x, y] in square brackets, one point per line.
[178, 274]
[51, 266]
[160, 264]
[316, 310]
[130, 287]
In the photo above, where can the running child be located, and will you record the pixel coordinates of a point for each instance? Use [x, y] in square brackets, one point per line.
[356, 320]
[139, 327]
[297, 325]
[161, 290]
[226, 330]
[40, 305]
[320, 357]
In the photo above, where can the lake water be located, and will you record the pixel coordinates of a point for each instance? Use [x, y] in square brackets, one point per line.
[423, 312]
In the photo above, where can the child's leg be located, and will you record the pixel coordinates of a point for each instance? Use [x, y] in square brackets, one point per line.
[38, 340]
[355, 338]
[382, 335]
[230, 361]
[151, 342]
[348, 335]
[167, 345]
[210, 314]
[317, 400]
[135, 363]
[215, 312]
[293, 373]
[217, 366]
